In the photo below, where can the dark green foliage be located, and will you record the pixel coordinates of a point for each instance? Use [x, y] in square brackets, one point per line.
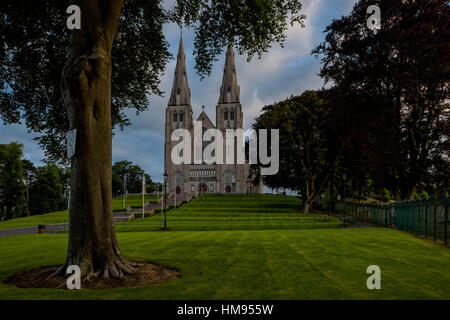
[27, 190]
[117, 184]
[307, 157]
[134, 176]
[33, 59]
[12, 186]
[394, 83]
[252, 26]
[47, 191]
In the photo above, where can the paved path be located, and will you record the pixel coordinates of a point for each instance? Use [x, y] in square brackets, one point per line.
[54, 228]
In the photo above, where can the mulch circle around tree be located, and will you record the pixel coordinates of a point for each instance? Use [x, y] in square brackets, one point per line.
[147, 274]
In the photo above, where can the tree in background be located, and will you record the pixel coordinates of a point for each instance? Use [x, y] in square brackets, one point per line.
[397, 84]
[29, 173]
[111, 63]
[134, 175]
[12, 187]
[307, 159]
[47, 191]
[117, 184]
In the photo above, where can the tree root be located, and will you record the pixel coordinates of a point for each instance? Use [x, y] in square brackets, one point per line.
[114, 268]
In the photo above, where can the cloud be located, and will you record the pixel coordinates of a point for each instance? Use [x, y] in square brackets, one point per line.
[19, 133]
[278, 74]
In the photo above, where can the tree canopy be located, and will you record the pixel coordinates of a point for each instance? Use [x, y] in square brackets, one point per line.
[395, 82]
[35, 45]
[308, 155]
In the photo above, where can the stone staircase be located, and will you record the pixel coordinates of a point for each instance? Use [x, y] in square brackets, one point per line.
[179, 199]
[150, 207]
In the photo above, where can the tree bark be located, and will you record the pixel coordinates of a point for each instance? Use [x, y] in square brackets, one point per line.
[307, 206]
[86, 89]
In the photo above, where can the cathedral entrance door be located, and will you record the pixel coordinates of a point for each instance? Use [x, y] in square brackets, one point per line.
[178, 190]
[228, 189]
[203, 188]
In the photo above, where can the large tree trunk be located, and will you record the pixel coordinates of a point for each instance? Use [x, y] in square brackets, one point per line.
[86, 88]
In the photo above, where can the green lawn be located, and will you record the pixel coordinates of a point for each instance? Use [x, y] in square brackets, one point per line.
[270, 264]
[247, 247]
[133, 200]
[47, 219]
[234, 212]
[60, 217]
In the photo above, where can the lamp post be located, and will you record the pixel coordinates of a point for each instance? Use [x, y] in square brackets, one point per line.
[124, 189]
[165, 201]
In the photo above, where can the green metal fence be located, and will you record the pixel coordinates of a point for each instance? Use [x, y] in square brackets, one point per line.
[429, 218]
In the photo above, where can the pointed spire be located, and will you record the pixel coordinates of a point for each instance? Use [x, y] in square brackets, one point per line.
[181, 94]
[230, 91]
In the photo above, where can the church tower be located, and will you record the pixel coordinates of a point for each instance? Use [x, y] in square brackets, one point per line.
[229, 116]
[178, 115]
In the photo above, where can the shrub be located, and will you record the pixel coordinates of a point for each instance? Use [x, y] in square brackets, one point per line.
[423, 195]
[385, 195]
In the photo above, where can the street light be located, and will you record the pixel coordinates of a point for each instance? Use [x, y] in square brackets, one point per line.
[165, 175]
[124, 189]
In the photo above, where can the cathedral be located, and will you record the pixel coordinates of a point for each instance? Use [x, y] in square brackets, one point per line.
[193, 179]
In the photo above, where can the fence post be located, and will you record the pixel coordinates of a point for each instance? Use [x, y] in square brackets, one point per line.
[385, 215]
[419, 211]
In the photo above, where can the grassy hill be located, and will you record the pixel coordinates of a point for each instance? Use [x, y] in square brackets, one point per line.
[234, 212]
[58, 217]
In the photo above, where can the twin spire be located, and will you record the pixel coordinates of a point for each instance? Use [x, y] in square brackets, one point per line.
[230, 91]
[181, 94]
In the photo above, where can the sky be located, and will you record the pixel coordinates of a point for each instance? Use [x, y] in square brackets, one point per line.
[280, 73]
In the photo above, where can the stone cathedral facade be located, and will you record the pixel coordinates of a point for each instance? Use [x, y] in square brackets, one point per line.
[193, 179]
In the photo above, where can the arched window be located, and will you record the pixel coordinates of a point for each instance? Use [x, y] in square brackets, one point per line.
[179, 180]
[229, 177]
